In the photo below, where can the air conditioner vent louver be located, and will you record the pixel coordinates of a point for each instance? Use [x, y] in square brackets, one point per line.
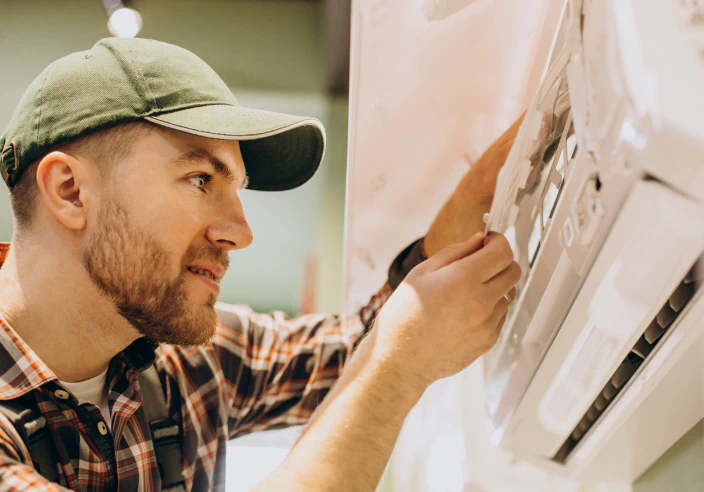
[635, 358]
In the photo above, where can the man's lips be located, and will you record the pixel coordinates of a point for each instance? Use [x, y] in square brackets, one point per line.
[206, 279]
[213, 272]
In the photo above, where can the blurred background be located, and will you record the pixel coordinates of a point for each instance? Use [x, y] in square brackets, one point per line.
[281, 55]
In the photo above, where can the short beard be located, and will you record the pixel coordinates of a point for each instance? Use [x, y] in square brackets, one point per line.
[134, 271]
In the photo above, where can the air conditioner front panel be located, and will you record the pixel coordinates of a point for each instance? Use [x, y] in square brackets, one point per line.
[535, 317]
[607, 278]
[652, 245]
[662, 403]
[569, 231]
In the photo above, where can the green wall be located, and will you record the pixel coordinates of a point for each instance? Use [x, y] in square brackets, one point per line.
[331, 225]
[680, 469]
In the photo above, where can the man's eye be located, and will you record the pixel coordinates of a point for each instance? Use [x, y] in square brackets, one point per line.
[199, 180]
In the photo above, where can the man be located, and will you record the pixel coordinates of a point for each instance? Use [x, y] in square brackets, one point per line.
[124, 165]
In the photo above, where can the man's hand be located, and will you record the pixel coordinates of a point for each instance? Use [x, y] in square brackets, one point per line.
[449, 310]
[462, 215]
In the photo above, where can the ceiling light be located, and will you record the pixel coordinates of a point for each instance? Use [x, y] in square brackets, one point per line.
[125, 23]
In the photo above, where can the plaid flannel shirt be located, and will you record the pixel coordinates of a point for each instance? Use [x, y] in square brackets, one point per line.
[259, 372]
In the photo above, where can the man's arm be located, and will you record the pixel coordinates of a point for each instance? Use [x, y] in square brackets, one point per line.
[277, 370]
[462, 215]
[445, 315]
[349, 440]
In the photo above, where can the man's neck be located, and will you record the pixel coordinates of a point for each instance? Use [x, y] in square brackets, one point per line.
[60, 314]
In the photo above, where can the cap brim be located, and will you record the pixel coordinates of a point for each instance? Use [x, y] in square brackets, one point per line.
[280, 151]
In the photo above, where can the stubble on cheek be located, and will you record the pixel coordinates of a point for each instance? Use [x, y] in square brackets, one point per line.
[136, 272]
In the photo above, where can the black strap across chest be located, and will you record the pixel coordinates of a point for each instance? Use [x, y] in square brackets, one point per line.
[31, 428]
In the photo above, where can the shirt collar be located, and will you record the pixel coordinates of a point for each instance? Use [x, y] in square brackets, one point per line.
[4, 251]
[21, 370]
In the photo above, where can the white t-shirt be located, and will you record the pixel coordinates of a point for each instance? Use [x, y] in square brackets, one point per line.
[95, 391]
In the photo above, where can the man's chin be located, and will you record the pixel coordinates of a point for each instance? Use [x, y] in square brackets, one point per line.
[202, 330]
[198, 336]
[196, 326]
[199, 339]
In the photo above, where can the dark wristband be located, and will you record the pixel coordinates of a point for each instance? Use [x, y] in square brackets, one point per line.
[405, 262]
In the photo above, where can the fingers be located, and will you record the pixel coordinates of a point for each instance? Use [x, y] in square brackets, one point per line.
[454, 252]
[492, 259]
[496, 321]
[503, 283]
[500, 324]
[500, 310]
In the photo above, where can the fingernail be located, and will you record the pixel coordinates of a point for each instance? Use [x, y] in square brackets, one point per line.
[477, 235]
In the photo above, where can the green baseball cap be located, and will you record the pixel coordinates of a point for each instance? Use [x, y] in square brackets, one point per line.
[122, 80]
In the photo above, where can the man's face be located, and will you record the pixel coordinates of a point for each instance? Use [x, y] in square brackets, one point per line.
[158, 243]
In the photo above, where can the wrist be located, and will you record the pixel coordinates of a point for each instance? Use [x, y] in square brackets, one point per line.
[384, 369]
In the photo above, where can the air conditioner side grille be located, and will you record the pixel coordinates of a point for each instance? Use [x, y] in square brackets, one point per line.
[635, 358]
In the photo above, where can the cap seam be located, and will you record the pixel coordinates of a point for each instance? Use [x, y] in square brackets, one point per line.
[138, 69]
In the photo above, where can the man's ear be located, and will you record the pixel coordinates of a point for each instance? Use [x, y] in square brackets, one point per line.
[61, 180]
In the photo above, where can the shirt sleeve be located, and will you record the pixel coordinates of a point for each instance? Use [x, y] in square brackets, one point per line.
[15, 473]
[277, 370]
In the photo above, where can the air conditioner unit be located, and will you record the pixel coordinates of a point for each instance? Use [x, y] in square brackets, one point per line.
[600, 365]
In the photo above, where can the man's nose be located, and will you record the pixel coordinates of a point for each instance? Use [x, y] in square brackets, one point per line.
[231, 231]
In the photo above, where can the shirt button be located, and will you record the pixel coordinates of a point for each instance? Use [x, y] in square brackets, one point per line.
[61, 394]
[102, 428]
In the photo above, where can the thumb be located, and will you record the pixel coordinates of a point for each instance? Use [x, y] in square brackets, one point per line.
[453, 252]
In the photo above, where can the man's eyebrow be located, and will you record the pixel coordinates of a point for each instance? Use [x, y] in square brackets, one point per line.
[222, 169]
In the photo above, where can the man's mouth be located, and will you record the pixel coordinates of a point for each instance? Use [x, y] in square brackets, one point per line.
[205, 273]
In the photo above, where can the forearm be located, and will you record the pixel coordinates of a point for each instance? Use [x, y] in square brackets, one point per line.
[446, 313]
[461, 216]
[349, 439]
